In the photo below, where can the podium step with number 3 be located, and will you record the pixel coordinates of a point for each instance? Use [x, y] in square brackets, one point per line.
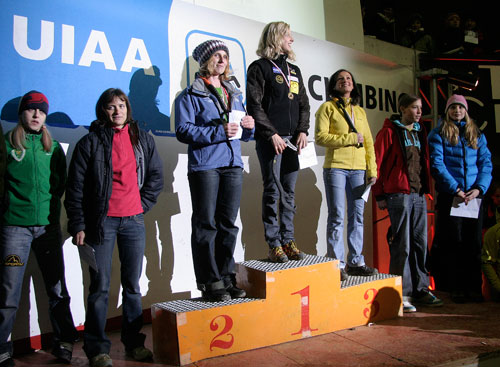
[285, 302]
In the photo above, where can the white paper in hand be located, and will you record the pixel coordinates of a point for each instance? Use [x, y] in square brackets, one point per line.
[236, 117]
[459, 209]
[366, 194]
[307, 156]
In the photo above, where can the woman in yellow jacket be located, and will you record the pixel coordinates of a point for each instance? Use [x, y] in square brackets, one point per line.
[342, 127]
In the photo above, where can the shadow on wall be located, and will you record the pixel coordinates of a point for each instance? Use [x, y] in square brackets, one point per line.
[143, 93]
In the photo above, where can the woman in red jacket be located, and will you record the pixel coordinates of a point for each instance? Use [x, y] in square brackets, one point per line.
[402, 156]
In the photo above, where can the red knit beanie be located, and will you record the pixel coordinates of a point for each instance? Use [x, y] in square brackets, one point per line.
[35, 100]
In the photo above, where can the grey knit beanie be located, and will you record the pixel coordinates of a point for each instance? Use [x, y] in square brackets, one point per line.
[205, 50]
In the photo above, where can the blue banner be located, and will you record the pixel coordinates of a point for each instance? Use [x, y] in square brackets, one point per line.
[72, 51]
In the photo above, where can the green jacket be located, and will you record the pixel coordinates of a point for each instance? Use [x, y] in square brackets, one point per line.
[3, 163]
[34, 183]
[490, 255]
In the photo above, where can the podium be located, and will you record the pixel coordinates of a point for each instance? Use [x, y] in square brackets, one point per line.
[285, 302]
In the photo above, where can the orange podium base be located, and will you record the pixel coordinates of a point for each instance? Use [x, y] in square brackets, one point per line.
[289, 301]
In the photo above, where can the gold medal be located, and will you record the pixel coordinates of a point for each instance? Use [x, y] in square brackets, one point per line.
[290, 95]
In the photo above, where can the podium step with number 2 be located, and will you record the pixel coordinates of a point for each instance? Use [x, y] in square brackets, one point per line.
[284, 302]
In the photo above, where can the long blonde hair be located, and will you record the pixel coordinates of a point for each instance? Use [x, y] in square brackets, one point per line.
[450, 131]
[271, 39]
[17, 137]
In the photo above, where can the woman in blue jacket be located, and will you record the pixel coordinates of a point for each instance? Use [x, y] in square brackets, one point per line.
[210, 117]
[461, 166]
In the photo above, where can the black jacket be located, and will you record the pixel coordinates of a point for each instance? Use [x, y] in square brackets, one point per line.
[90, 179]
[268, 102]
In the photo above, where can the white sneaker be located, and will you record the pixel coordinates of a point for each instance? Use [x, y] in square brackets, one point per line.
[408, 307]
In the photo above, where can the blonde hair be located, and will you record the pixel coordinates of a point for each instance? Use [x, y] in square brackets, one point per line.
[450, 131]
[206, 71]
[271, 39]
[17, 137]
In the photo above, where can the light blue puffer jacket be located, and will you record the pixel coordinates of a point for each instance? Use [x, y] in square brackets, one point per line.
[459, 166]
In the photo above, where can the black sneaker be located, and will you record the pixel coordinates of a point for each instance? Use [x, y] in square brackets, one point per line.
[343, 275]
[364, 271]
[63, 352]
[236, 292]
[6, 360]
[219, 295]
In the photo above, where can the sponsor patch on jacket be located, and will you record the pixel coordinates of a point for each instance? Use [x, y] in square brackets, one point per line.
[13, 260]
[279, 79]
[276, 70]
[292, 71]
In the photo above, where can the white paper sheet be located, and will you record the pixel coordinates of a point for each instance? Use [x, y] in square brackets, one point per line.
[236, 117]
[459, 209]
[307, 156]
[366, 193]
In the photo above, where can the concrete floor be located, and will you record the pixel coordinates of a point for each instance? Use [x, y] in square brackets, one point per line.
[453, 335]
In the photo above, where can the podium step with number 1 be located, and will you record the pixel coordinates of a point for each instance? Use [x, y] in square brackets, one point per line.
[285, 302]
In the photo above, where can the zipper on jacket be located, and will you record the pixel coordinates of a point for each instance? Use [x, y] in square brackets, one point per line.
[37, 207]
[465, 163]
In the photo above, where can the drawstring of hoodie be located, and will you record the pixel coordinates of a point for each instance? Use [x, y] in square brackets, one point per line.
[414, 140]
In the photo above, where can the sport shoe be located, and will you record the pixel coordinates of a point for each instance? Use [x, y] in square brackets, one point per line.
[6, 360]
[101, 360]
[426, 298]
[408, 307]
[218, 295]
[140, 353]
[292, 252]
[236, 292]
[343, 275]
[63, 351]
[363, 270]
[276, 255]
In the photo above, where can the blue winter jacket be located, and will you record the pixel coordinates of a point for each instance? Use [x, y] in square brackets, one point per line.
[199, 123]
[459, 166]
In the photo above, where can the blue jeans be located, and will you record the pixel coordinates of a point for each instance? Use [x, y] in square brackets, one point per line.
[339, 184]
[15, 245]
[215, 198]
[129, 234]
[278, 227]
[408, 249]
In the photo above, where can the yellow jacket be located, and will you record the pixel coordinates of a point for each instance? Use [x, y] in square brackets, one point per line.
[333, 132]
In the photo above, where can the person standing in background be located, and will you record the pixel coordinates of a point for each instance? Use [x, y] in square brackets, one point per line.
[461, 167]
[115, 177]
[34, 178]
[402, 156]
[277, 99]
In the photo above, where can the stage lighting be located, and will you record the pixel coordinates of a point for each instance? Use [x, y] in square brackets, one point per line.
[467, 81]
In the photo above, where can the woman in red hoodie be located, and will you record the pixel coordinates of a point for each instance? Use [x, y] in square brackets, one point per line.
[402, 156]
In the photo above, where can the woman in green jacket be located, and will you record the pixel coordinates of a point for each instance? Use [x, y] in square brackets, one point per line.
[34, 183]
